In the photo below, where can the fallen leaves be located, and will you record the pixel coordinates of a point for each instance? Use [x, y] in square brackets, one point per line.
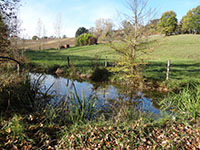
[130, 135]
[135, 136]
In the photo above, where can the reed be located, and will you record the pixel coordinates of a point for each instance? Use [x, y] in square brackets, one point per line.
[186, 102]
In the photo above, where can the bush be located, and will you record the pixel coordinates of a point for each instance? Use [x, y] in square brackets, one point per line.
[100, 75]
[86, 39]
[34, 37]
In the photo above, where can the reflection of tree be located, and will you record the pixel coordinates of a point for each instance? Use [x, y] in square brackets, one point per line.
[100, 88]
[57, 84]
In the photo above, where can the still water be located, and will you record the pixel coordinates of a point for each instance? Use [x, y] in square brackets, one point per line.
[60, 87]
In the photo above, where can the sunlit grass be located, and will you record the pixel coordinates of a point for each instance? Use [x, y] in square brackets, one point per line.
[80, 57]
[186, 102]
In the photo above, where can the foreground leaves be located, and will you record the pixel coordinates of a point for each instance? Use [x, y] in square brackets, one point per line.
[37, 134]
[135, 135]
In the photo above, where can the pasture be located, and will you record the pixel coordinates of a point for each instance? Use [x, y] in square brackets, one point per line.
[182, 50]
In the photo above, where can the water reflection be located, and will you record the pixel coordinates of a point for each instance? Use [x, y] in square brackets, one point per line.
[105, 94]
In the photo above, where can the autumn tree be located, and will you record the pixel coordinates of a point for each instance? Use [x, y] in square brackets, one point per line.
[7, 24]
[133, 40]
[191, 22]
[152, 25]
[103, 27]
[168, 23]
[4, 34]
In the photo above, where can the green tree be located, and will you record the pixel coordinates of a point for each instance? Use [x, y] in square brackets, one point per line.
[168, 23]
[80, 31]
[85, 39]
[191, 22]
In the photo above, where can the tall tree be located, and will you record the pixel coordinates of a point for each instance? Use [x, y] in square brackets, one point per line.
[39, 32]
[57, 29]
[8, 25]
[132, 36]
[4, 34]
[168, 23]
[103, 28]
[191, 22]
[80, 31]
[152, 26]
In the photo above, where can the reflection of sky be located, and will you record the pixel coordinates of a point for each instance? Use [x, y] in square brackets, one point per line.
[62, 85]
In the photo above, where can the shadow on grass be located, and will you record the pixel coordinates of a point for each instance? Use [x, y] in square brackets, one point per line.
[61, 59]
[178, 70]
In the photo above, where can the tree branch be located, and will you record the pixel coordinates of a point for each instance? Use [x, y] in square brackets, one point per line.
[3, 57]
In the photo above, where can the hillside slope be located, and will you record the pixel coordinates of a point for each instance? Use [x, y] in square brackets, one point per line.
[177, 48]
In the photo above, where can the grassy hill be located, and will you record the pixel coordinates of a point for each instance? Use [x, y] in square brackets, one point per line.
[177, 48]
[182, 50]
[184, 53]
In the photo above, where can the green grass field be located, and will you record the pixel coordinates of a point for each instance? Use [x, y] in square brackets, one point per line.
[83, 58]
[182, 50]
[184, 53]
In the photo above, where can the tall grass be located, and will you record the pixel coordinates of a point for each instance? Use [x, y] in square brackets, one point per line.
[186, 102]
[71, 110]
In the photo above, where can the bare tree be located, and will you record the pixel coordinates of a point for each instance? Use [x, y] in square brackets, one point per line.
[16, 37]
[133, 32]
[23, 41]
[43, 36]
[103, 27]
[57, 29]
[39, 32]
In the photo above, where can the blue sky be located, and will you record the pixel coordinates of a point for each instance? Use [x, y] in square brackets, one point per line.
[78, 13]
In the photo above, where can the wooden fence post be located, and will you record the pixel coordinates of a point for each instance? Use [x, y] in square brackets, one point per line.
[106, 61]
[168, 68]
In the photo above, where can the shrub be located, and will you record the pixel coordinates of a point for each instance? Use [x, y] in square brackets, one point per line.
[100, 75]
[34, 37]
[86, 39]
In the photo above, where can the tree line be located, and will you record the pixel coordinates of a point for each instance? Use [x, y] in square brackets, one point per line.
[190, 23]
[168, 24]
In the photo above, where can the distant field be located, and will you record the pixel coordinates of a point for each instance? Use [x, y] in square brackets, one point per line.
[48, 43]
[182, 50]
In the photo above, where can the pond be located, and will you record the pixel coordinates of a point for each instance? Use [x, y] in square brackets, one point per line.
[104, 93]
